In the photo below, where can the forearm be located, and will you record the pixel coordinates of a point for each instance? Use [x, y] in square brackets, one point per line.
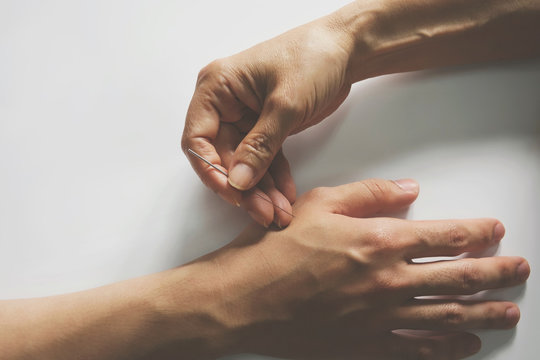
[165, 315]
[393, 36]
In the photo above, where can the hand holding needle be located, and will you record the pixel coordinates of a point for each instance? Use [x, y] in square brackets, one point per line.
[190, 151]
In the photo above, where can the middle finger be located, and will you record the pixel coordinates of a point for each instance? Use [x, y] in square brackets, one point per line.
[467, 276]
[451, 237]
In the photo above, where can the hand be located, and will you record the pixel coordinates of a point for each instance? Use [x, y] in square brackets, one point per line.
[261, 96]
[294, 81]
[340, 279]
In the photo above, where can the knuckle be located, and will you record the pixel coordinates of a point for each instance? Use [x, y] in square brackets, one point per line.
[471, 278]
[375, 189]
[184, 142]
[454, 315]
[458, 235]
[286, 106]
[189, 142]
[260, 147]
[215, 67]
[493, 316]
[506, 271]
[216, 76]
[379, 241]
[486, 237]
[383, 240]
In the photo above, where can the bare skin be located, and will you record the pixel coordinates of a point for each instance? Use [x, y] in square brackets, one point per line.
[339, 280]
[334, 284]
[287, 84]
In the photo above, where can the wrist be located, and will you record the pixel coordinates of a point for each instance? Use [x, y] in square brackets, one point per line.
[189, 305]
[392, 36]
[357, 23]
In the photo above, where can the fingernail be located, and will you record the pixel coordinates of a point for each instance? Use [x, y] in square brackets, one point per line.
[241, 176]
[236, 203]
[278, 223]
[258, 218]
[498, 232]
[512, 315]
[474, 346]
[407, 185]
[523, 271]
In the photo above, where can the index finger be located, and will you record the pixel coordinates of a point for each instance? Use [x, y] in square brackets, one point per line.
[200, 131]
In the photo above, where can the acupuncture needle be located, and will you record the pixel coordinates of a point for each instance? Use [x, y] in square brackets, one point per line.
[227, 175]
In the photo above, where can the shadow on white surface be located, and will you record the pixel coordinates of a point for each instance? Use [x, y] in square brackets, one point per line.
[389, 117]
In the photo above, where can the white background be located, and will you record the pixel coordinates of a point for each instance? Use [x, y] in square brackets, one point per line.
[94, 188]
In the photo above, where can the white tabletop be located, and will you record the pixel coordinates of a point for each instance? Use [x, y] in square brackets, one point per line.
[94, 188]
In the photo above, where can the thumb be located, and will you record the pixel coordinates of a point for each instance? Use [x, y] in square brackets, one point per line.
[369, 197]
[255, 153]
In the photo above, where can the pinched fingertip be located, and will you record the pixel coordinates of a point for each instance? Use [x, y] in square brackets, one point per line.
[259, 206]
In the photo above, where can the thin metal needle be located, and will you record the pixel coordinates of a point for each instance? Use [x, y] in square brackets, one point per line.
[207, 162]
[227, 175]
